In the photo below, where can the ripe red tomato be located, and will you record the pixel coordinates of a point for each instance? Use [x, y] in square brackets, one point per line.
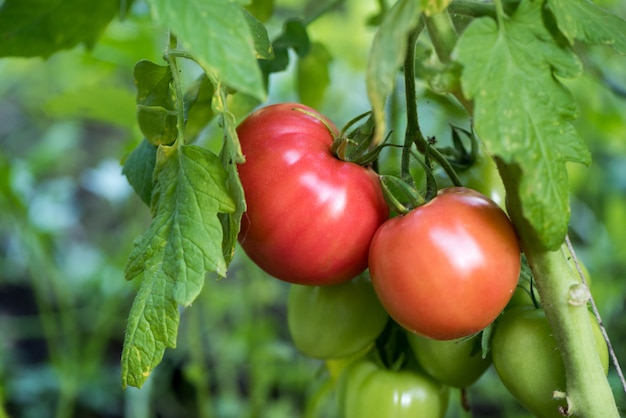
[446, 269]
[310, 216]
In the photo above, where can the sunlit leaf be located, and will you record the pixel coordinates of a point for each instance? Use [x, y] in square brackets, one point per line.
[218, 35]
[183, 244]
[523, 112]
[583, 21]
[156, 109]
[41, 27]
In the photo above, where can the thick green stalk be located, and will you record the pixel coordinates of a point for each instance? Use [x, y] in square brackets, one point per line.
[564, 300]
[588, 392]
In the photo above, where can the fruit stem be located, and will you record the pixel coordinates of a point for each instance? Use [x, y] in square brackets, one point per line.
[413, 134]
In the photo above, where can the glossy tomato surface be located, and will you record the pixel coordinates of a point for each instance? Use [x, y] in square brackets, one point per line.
[446, 269]
[527, 359]
[334, 321]
[458, 363]
[366, 390]
[310, 216]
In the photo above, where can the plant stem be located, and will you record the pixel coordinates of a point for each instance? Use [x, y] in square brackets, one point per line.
[446, 36]
[413, 134]
[471, 8]
[500, 14]
[588, 392]
[412, 122]
[596, 313]
[178, 88]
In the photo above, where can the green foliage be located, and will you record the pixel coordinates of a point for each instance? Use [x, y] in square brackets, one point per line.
[581, 20]
[138, 169]
[174, 255]
[156, 107]
[294, 36]
[219, 37]
[68, 115]
[523, 113]
[313, 76]
[65, 24]
[386, 56]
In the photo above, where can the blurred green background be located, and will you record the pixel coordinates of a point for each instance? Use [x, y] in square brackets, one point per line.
[68, 220]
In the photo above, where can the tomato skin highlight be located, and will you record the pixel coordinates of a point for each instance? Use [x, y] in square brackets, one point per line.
[366, 390]
[310, 216]
[448, 268]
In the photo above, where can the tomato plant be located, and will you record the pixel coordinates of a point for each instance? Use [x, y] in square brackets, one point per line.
[446, 269]
[310, 216]
[527, 359]
[367, 390]
[336, 320]
[457, 363]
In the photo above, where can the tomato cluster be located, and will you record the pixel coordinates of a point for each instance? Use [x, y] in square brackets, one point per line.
[438, 276]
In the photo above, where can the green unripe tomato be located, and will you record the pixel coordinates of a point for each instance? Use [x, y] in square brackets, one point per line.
[453, 362]
[527, 360]
[522, 295]
[334, 321]
[366, 390]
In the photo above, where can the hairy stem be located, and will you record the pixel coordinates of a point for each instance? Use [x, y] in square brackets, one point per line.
[587, 389]
[596, 313]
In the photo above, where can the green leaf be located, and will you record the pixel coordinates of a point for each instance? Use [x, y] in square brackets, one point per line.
[156, 109]
[522, 111]
[262, 43]
[31, 28]
[138, 169]
[313, 75]
[386, 56]
[583, 21]
[295, 36]
[173, 257]
[217, 34]
[197, 105]
[399, 195]
[152, 326]
[230, 156]
[103, 102]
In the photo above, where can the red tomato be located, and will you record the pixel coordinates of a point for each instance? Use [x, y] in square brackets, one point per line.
[446, 269]
[310, 216]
